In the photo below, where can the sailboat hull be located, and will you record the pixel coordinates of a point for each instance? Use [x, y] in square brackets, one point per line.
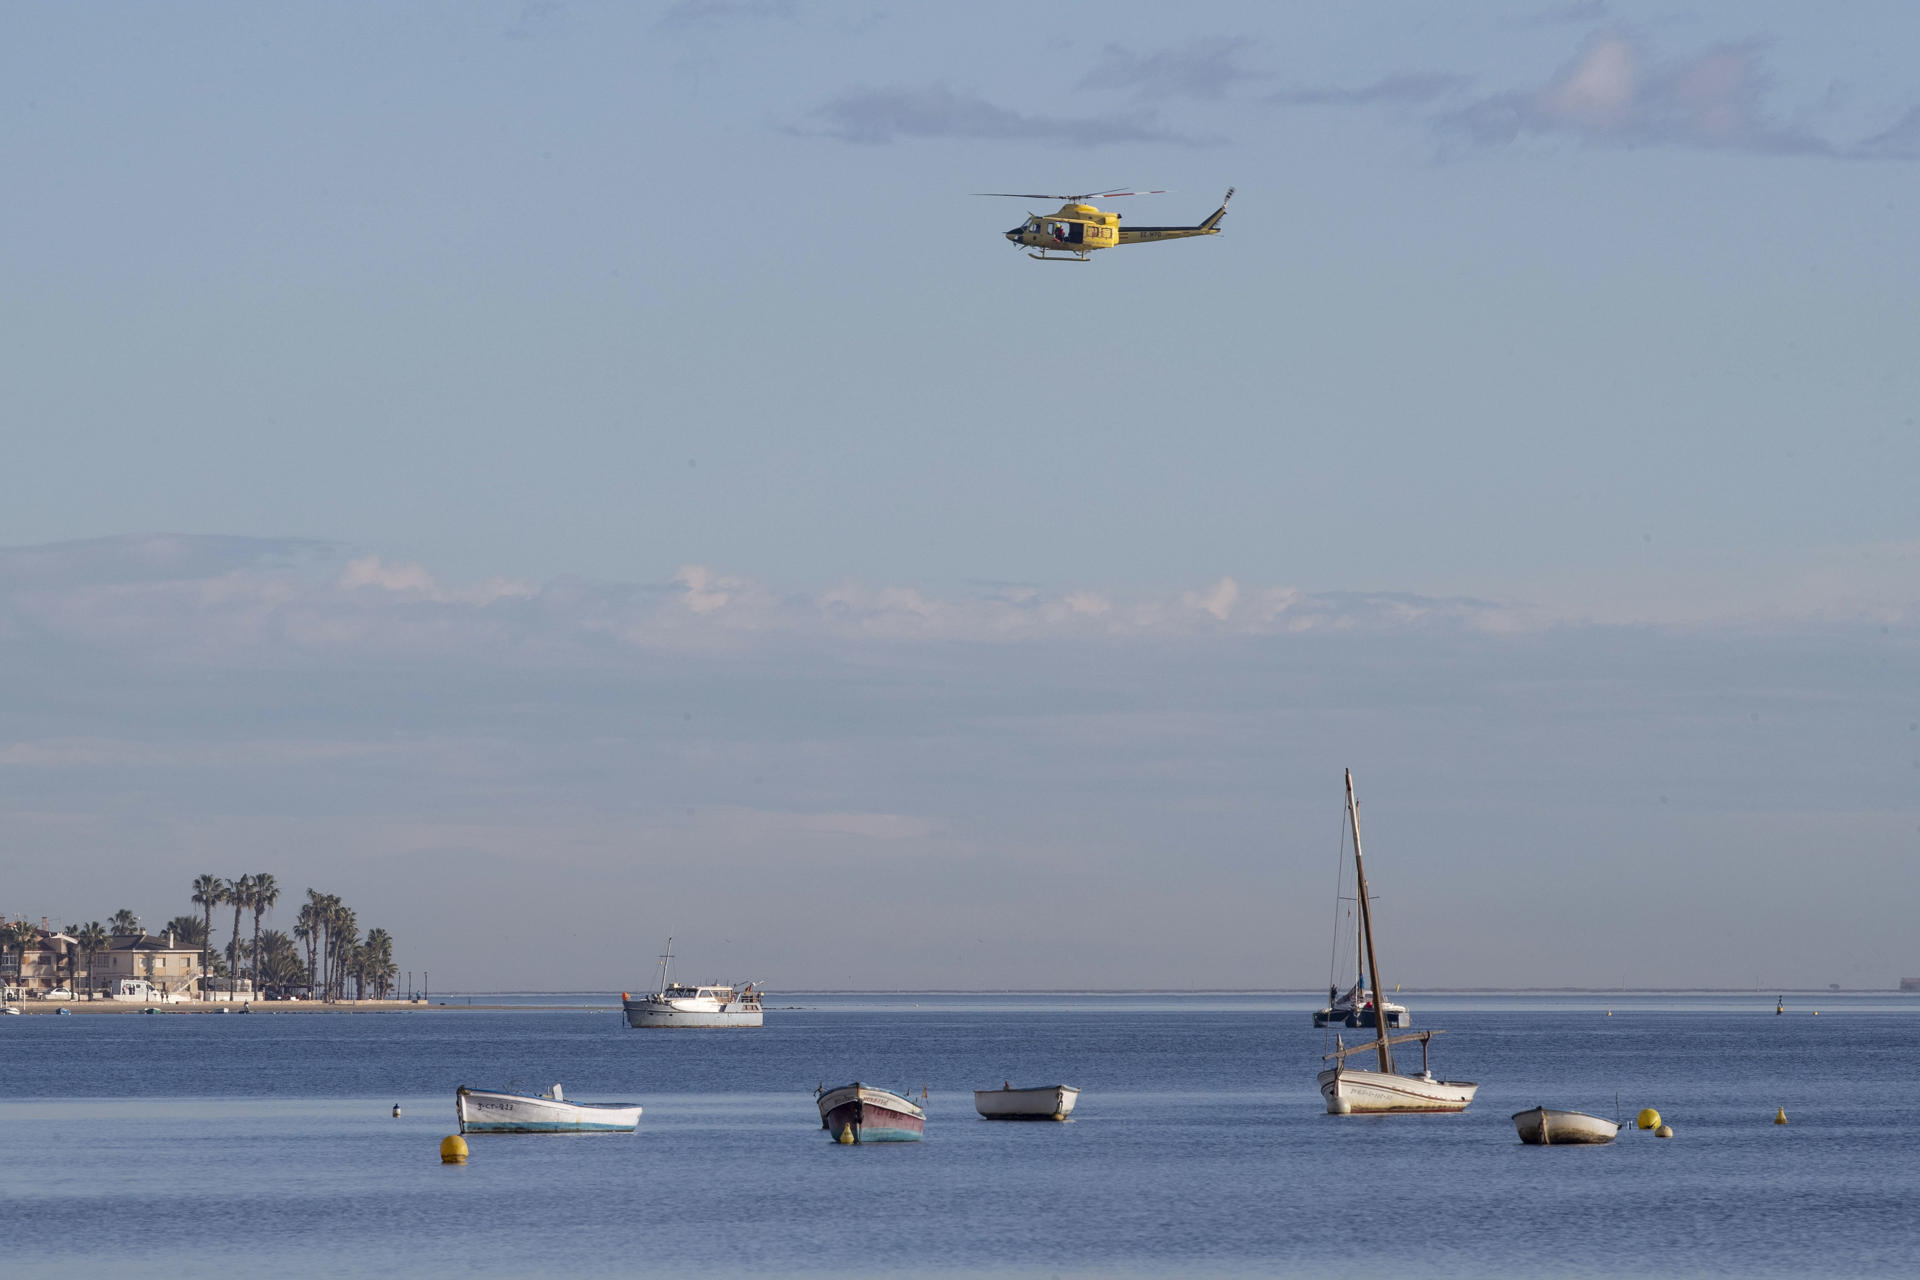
[1365, 1093]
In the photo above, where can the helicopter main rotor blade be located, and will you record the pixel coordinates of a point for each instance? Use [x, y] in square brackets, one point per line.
[1084, 195]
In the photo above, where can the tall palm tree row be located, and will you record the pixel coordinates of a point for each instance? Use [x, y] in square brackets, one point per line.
[337, 959]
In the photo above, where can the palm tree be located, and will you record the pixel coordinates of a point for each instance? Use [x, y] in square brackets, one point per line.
[208, 893]
[377, 959]
[279, 962]
[328, 908]
[240, 894]
[93, 936]
[187, 931]
[346, 941]
[307, 929]
[70, 957]
[266, 892]
[20, 935]
[124, 921]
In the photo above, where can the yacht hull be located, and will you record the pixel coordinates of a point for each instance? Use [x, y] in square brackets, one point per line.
[654, 1013]
[1336, 1016]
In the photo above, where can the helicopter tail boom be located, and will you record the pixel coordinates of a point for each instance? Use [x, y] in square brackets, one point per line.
[1210, 227]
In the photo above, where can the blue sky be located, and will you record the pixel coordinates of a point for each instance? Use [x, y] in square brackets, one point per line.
[456, 447]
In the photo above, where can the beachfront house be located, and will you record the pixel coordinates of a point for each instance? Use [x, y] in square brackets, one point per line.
[37, 963]
[139, 966]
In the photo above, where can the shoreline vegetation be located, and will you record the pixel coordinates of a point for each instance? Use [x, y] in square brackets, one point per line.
[324, 958]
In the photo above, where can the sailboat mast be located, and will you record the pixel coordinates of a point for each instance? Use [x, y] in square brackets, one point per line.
[666, 965]
[1366, 930]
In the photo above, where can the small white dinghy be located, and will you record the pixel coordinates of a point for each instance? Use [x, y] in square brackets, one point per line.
[1545, 1127]
[496, 1111]
[1050, 1102]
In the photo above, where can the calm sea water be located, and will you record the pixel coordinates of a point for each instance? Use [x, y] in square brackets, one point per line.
[263, 1144]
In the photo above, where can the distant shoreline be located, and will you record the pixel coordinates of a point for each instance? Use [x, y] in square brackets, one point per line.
[513, 1001]
[42, 1007]
[1312, 992]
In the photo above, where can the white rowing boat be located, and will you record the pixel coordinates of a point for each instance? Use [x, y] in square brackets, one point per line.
[498, 1111]
[1050, 1102]
[1545, 1127]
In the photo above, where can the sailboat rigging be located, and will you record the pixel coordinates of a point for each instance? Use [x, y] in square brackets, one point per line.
[1358, 1006]
[1350, 1090]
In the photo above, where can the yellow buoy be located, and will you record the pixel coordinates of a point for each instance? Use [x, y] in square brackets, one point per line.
[1649, 1118]
[1664, 1131]
[846, 1135]
[453, 1149]
[1780, 1116]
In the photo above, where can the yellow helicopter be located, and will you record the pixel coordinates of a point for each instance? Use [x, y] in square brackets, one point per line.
[1079, 228]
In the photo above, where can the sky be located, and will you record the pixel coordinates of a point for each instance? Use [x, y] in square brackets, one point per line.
[559, 475]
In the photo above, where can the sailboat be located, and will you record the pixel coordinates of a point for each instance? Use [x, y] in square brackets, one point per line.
[1352, 1091]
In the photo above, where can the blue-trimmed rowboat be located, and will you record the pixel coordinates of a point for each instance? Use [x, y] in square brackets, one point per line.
[861, 1113]
[495, 1111]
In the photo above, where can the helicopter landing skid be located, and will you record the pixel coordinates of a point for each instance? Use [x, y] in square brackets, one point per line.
[1042, 256]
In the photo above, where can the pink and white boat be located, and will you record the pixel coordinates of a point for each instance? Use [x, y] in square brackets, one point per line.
[861, 1113]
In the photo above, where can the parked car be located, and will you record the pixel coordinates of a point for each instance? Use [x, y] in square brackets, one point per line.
[58, 993]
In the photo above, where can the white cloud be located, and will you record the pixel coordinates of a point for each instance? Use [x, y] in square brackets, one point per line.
[372, 571]
[1218, 601]
[1615, 92]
